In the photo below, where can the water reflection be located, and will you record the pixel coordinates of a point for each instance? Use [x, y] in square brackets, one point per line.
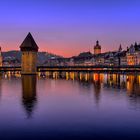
[0, 85]
[70, 103]
[122, 82]
[129, 82]
[29, 93]
[133, 90]
[97, 80]
[115, 81]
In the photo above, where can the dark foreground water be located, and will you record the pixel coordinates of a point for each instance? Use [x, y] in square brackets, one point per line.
[70, 106]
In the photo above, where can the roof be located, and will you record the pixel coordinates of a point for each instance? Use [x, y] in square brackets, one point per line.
[137, 47]
[105, 55]
[120, 54]
[29, 44]
[133, 48]
[85, 54]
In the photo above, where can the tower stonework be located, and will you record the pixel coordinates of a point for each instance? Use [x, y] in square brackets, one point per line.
[97, 48]
[29, 51]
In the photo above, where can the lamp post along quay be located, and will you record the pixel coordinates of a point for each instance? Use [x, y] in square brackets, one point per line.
[29, 51]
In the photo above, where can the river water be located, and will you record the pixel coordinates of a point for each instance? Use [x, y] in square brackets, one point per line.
[70, 106]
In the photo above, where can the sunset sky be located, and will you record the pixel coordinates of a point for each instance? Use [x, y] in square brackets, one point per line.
[68, 27]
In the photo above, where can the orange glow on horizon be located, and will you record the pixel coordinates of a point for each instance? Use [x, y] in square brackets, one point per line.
[65, 50]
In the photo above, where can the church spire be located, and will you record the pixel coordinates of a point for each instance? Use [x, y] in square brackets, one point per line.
[97, 43]
[120, 48]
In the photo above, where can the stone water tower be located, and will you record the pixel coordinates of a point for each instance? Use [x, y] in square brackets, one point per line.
[29, 51]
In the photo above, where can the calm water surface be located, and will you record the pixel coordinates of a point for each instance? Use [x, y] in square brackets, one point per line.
[70, 106]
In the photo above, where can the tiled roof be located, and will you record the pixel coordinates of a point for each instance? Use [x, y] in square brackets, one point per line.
[29, 44]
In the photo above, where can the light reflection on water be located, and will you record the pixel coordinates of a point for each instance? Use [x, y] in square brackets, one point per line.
[88, 105]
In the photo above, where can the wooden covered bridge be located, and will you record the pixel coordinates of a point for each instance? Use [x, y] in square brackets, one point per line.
[98, 68]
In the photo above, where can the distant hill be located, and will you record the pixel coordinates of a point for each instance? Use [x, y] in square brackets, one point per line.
[42, 56]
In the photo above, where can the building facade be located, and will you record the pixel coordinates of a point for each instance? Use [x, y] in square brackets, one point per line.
[133, 55]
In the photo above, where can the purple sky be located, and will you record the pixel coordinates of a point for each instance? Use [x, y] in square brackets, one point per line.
[67, 27]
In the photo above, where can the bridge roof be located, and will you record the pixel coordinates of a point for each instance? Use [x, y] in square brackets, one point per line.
[29, 44]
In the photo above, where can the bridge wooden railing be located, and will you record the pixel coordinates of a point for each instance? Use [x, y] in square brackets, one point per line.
[10, 68]
[95, 66]
[76, 68]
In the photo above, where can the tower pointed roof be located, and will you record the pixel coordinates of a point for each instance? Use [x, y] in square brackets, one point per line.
[29, 44]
